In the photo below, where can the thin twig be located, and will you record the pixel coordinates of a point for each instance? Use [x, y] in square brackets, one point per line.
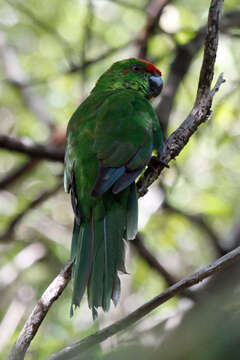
[39, 312]
[79, 347]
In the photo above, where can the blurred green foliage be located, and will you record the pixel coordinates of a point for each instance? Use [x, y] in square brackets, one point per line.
[60, 48]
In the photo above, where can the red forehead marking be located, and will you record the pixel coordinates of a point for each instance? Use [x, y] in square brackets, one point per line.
[150, 67]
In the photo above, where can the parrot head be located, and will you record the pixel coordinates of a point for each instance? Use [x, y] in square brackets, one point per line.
[136, 74]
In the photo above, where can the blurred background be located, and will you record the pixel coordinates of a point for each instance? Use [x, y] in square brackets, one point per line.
[51, 54]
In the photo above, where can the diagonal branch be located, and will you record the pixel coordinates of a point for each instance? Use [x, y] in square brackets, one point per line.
[39, 312]
[210, 53]
[56, 288]
[201, 111]
[76, 349]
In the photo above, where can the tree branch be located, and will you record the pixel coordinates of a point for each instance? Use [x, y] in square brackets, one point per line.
[202, 107]
[210, 52]
[28, 147]
[31, 326]
[76, 349]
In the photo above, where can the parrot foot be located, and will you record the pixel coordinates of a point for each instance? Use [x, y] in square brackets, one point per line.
[158, 161]
[164, 163]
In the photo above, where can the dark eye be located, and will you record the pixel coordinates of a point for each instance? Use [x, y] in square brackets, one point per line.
[136, 68]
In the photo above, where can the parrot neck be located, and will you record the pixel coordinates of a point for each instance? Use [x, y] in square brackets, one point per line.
[110, 81]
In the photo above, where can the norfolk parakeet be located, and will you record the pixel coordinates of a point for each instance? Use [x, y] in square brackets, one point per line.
[110, 139]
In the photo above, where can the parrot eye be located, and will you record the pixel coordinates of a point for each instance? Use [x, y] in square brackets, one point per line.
[136, 68]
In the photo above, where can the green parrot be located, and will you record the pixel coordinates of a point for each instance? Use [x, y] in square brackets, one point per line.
[110, 139]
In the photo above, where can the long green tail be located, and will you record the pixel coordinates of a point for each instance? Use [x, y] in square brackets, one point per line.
[99, 251]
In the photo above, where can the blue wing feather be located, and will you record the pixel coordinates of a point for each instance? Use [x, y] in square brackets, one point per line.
[107, 176]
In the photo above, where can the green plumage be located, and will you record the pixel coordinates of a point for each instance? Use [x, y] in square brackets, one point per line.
[110, 139]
